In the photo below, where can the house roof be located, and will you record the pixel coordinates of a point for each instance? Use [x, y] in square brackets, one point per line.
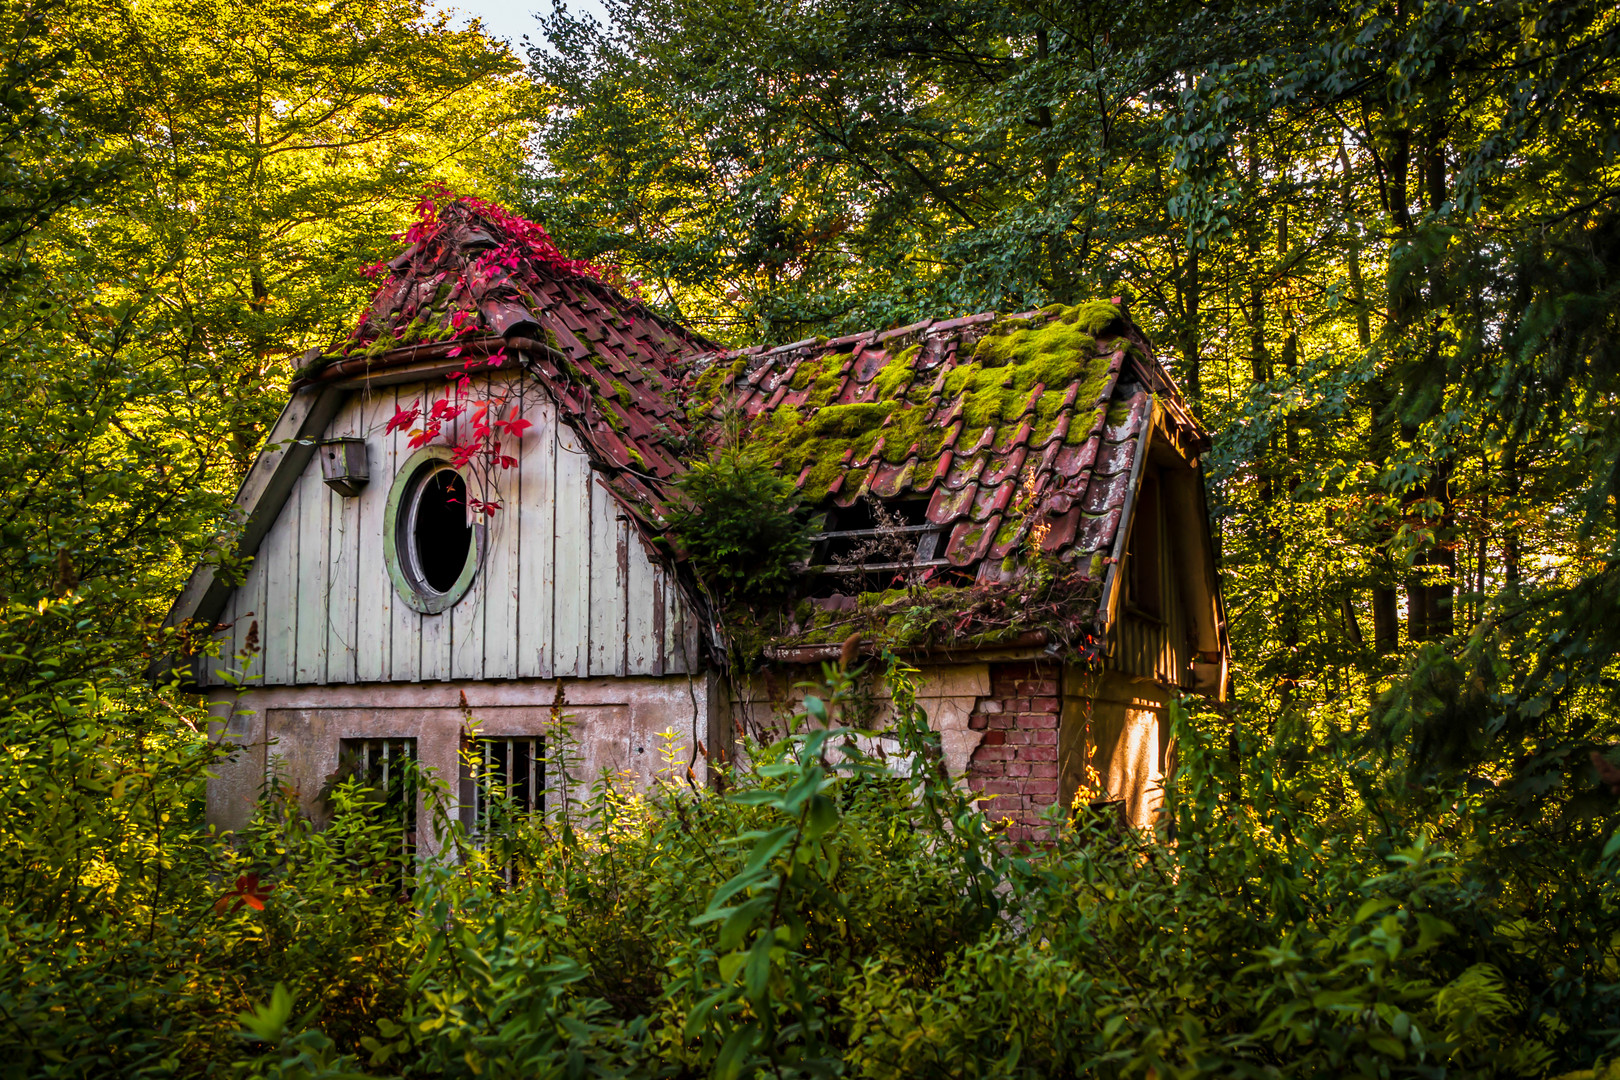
[1022, 432]
[1014, 429]
[477, 280]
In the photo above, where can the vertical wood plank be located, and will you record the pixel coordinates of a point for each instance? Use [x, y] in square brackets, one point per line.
[572, 610]
[374, 593]
[279, 626]
[501, 572]
[436, 645]
[466, 616]
[674, 626]
[208, 669]
[248, 609]
[610, 557]
[537, 579]
[314, 585]
[343, 579]
[644, 601]
[405, 658]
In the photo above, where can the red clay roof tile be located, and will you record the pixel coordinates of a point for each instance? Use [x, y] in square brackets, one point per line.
[1025, 426]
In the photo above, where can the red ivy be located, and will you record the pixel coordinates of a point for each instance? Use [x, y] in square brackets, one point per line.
[248, 891]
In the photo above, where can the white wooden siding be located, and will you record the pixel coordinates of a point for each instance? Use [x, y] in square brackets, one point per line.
[565, 588]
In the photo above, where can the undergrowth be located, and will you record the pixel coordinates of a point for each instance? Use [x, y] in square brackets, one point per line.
[830, 914]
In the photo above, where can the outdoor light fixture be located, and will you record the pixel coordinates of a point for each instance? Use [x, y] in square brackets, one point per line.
[343, 465]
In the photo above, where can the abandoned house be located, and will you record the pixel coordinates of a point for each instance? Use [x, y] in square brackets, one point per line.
[460, 513]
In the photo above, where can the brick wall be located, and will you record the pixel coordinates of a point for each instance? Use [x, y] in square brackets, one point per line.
[1017, 761]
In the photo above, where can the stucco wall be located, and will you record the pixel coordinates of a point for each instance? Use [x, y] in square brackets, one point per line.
[1119, 726]
[294, 733]
[1021, 734]
[947, 694]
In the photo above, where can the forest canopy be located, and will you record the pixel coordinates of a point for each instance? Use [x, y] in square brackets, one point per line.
[1377, 245]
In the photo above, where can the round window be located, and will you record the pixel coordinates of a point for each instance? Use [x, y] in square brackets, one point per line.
[431, 549]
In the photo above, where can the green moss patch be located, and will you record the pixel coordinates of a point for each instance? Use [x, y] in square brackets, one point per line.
[717, 378]
[1057, 600]
[1054, 350]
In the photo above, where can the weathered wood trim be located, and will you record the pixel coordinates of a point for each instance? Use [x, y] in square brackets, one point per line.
[426, 361]
[269, 482]
[1223, 674]
[809, 654]
[1108, 603]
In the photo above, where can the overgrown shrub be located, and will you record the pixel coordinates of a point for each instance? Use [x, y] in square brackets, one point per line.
[740, 526]
[830, 914]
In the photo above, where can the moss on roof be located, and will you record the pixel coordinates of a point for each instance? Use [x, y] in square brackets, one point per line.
[1051, 350]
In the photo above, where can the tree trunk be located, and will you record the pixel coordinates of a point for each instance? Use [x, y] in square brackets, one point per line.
[1385, 613]
[1190, 332]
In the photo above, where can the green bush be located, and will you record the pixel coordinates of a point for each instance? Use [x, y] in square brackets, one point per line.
[829, 915]
[740, 526]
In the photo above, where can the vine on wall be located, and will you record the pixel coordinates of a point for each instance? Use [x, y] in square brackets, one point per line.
[480, 420]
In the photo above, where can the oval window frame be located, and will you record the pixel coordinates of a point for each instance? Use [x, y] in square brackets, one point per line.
[416, 596]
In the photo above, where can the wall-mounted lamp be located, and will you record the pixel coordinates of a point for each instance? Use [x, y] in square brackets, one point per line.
[343, 465]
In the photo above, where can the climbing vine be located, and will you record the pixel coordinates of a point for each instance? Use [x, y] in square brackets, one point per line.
[481, 419]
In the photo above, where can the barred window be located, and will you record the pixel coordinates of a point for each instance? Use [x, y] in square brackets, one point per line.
[385, 766]
[508, 775]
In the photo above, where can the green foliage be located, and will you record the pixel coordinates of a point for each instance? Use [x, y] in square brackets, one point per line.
[1380, 243]
[740, 526]
[1376, 246]
[833, 913]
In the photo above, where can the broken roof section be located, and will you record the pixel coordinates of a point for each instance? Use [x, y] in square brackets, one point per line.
[1021, 432]
[1018, 435]
[478, 284]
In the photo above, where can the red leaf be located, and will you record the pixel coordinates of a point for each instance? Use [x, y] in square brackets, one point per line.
[248, 891]
[403, 419]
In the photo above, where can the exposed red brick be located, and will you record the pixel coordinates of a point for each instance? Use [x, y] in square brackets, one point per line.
[996, 738]
[978, 721]
[1036, 720]
[1039, 787]
[993, 753]
[1038, 753]
[1043, 704]
[1016, 768]
[1045, 769]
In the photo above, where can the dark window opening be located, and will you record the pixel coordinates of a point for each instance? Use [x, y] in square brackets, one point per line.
[503, 783]
[440, 536]
[872, 545]
[386, 769]
[1144, 553]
